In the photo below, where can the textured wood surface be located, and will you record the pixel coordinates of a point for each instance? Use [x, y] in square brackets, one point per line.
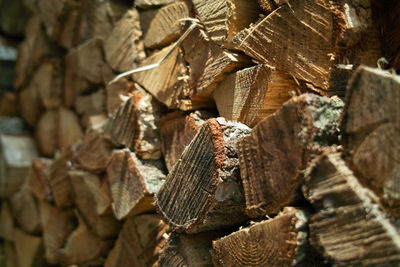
[280, 241]
[91, 105]
[29, 249]
[7, 228]
[207, 178]
[46, 133]
[133, 182]
[38, 180]
[273, 157]
[350, 228]
[371, 129]
[177, 129]
[251, 94]
[124, 48]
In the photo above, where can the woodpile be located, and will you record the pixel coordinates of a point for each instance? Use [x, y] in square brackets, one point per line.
[199, 133]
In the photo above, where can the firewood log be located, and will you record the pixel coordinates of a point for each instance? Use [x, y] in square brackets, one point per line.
[26, 210]
[7, 228]
[188, 250]
[89, 105]
[49, 83]
[273, 157]
[30, 105]
[204, 191]
[117, 93]
[46, 133]
[38, 180]
[177, 129]
[91, 201]
[124, 48]
[161, 27]
[350, 227]
[139, 242]
[29, 248]
[135, 125]
[251, 94]
[281, 241]
[133, 182]
[11, 258]
[16, 154]
[371, 127]
[267, 5]
[223, 19]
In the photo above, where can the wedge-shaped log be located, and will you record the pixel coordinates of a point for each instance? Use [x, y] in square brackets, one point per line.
[251, 94]
[135, 125]
[16, 155]
[371, 130]
[52, 14]
[92, 201]
[281, 241]
[57, 225]
[350, 228]
[316, 40]
[124, 48]
[38, 181]
[177, 129]
[139, 242]
[188, 250]
[29, 248]
[133, 182]
[161, 27]
[204, 191]
[26, 211]
[273, 158]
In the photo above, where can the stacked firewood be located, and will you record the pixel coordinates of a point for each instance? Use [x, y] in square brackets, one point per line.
[204, 132]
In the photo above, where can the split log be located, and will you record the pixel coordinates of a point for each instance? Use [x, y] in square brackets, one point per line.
[25, 210]
[91, 202]
[133, 182]
[95, 151]
[223, 19]
[253, 94]
[89, 105]
[29, 249]
[135, 125]
[139, 242]
[124, 48]
[69, 129]
[16, 154]
[371, 127]
[207, 178]
[350, 228]
[161, 27]
[84, 67]
[57, 226]
[7, 229]
[152, 3]
[273, 157]
[38, 181]
[67, 35]
[177, 129]
[281, 241]
[59, 181]
[117, 93]
[82, 247]
[267, 5]
[30, 105]
[315, 42]
[188, 250]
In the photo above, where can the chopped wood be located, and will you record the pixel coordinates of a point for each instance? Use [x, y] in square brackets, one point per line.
[67, 36]
[7, 229]
[51, 13]
[135, 125]
[25, 210]
[152, 3]
[82, 247]
[133, 182]
[57, 225]
[371, 127]
[281, 241]
[177, 129]
[46, 133]
[30, 105]
[139, 242]
[29, 249]
[91, 202]
[124, 48]
[59, 181]
[69, 130]
[267, 5]
[49, 83]
[16, 154]
[89, 105]
[188, 250]
[254, 93]
[273, 157]
[95, 151]
[207, 178]
[11, 258]
[38, 180]
[117, 93]
[161, 27]
[350, 228]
